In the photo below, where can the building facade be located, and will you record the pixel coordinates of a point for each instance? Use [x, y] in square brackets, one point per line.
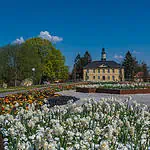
[103, 70]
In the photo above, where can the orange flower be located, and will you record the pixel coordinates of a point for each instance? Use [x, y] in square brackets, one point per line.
[30, 101]
[6, 100]
[41, 97]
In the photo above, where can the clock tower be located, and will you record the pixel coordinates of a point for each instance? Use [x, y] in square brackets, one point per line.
[103, 55]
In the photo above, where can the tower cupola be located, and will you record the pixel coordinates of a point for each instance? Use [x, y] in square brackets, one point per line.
[103, 55]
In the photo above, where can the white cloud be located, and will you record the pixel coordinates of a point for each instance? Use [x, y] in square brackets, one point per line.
[53, 39]
[135, 52]
[18, 41]
[118, 57]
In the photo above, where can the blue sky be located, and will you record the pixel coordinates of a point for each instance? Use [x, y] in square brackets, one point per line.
[117, 25]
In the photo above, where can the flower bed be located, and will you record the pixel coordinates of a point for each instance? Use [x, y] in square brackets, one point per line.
[112, 91]
[115, 88]
[102, 125]
[9, 103]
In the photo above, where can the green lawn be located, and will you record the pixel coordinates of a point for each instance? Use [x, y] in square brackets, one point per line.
[18, 88]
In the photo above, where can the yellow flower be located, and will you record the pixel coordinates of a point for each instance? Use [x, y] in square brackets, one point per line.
[30, 101]
[40, 103]
[21, 104]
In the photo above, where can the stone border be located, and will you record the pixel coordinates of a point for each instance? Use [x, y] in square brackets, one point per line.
[113, 91]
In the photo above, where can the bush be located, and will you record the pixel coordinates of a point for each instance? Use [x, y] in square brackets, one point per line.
[27, 82]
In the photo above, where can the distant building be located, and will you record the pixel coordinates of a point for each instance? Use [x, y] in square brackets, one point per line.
[103, 70]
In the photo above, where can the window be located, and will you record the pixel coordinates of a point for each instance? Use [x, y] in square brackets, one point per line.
[113, 77]
[87, 70]
[103, 70]
[108, 70]
[108, 77]
[93, 70]
[103, 77]
[98, 77]
[98, 70]
[93, 77]
[113, 70]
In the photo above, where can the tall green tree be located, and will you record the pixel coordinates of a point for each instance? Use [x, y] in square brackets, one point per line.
[75, 67]
[129, 65]
[45, 58]
[8, 63]
[80, 63]
[87, 58]
[145, 71]
[18, 60]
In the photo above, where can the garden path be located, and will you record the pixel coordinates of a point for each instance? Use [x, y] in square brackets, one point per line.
[139, 98]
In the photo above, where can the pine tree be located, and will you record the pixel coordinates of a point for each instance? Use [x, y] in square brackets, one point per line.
[145, 71]
[129, 65]
[79, 63]
[87, 57]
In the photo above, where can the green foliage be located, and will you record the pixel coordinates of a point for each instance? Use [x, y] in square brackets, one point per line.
[129, 65]
[80, 63]
[145, 71]
[132, 67]
[18, 60]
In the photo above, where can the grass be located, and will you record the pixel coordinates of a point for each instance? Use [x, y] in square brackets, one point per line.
[19, 88]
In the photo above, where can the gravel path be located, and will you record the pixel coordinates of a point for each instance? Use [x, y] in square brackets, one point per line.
[139, 98]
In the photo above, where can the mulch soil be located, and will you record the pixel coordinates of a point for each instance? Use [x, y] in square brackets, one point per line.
[61, 100]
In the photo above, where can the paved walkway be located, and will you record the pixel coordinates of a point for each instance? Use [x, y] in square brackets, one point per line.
[139, 98]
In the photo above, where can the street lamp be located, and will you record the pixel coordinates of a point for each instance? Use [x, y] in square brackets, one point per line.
[33, 73]
[33, 69]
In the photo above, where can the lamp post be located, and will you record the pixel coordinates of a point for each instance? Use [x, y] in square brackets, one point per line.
[33, 74]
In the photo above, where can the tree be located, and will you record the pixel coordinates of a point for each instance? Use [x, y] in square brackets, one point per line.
[9, 64]
[87, 58]
[145, 71]
[75, 67]
[80, 63]
[18, 60]
[129, 65]
[45, 58]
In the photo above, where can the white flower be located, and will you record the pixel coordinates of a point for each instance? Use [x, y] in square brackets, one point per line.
[45, 145]
[97, 131]
[58, 129]
[77, 146]
[104, 145]
[132, 129]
